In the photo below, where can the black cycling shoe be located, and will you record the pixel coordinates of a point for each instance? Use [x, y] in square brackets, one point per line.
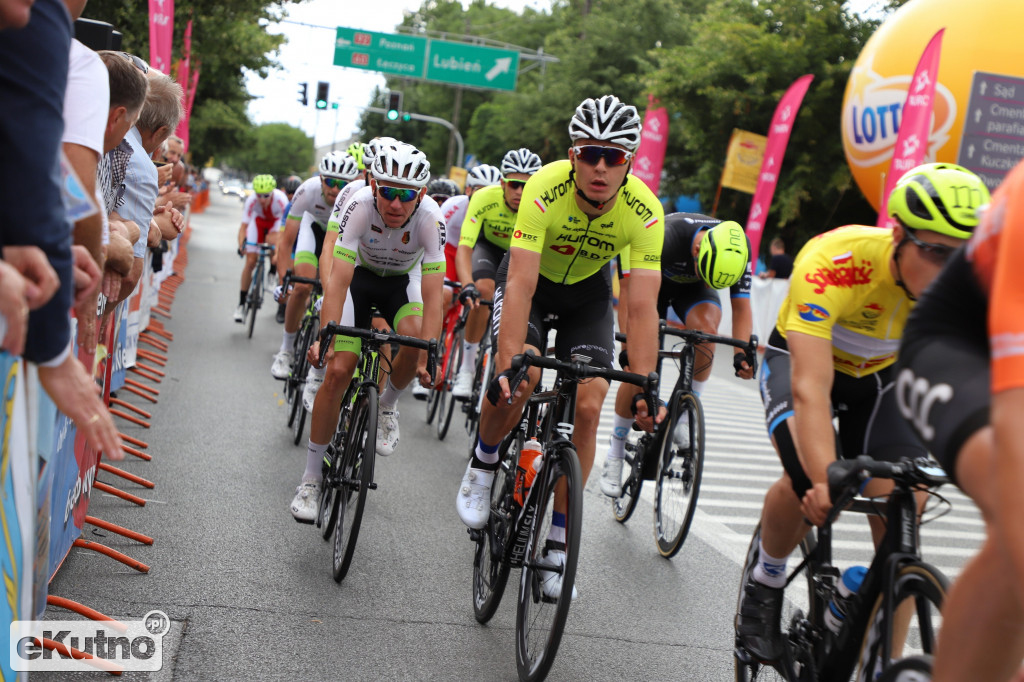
[758, 622]
[280, 313]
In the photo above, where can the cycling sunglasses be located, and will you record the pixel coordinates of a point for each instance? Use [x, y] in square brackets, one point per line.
[933, 253]
[392, 193]
[263, 196]
[592, 155]
[514, 184]
[334, 183]
[139, 62]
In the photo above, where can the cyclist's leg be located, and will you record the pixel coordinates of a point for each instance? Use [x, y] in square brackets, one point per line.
[252, 236]
[486, 259]
[702, 314]
[304, 265]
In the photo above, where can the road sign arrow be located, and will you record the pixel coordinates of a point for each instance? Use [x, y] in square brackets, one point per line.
[970, 152]
[500, 66]
[984, 87]
[977, 115]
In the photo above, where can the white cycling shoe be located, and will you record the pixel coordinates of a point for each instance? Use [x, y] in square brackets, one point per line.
[551, 581]
[474, 499]
[240, 313]
[282, 366]
[387, 430]
[314, 380]
[611, 477]
[307, 500]
[463, 387]
[419, 391]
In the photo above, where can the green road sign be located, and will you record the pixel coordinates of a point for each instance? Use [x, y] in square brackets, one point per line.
[402, 55]
[474, 65]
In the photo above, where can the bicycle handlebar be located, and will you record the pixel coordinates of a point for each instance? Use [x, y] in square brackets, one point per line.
[289, 278]
[846, 476]
[378, 338]
[577, 370]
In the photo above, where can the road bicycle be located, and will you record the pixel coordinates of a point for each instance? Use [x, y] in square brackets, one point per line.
[868, 641]
[440, 400]
[674, 461]
[516, 534]
[295, 382]
[254, 297]
[347, 474]
[483, 373]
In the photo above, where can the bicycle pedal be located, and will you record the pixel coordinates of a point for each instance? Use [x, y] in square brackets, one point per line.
[372, 486]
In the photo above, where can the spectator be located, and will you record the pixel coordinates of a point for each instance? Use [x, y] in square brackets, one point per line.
[172, 192]
[780, 265]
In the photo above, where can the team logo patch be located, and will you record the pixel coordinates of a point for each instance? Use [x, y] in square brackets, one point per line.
[812, 312]
[650, 223]
[518, 234]
[872, 311]
[405, 237]
[376, 229]
[564, 249]
[540, 205]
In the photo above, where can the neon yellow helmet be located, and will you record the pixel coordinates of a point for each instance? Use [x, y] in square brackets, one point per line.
[723, 256]
[941, 197]
[355, 150]
[263, 184]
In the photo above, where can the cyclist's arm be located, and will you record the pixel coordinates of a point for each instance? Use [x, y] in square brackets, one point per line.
[1008, 427]
[623, 309]
[812, 377]
[464, 263]
[336, 290]
[286, 243]
[241, 234]
[742, 326]
[642, 331]
[523, 269]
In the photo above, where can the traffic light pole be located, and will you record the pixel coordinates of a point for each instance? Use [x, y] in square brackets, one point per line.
[433, 119]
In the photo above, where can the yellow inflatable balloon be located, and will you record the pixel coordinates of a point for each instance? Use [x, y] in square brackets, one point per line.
[981, 35]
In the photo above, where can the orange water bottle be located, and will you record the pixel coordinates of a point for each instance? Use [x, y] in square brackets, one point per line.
[531, 459]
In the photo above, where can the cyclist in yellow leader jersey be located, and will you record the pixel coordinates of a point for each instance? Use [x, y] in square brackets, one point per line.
[575, 216]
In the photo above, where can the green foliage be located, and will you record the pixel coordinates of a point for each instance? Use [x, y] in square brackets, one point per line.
[275, 148]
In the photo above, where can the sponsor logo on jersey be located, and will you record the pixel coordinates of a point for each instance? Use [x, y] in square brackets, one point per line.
[638, 206]
[518, 234]
[540, 206]
[376, 229]
[812, 312]
[552, 195]
[849, 274]
[564, 249]
[405, 237]
[843, 258]
[499, 235]
[651, 223]
[872, 311]
[573, 219]
[589, 240]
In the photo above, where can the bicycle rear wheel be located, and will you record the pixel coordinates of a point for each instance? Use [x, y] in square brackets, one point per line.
[446, 401]
[490, 573]
[918, 583]
[678, 479]
[357, 475]
[540, 619]
[435, 391]
[255, 298]
[624, 505]
[308, 335]
[330, 486]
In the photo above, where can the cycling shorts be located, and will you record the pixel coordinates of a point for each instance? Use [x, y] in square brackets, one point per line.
[486, 259]
[310, 241]
[943, 376]
[580, 314]
[684, 297]
[256, 232]
[869, 421]
[394, 297]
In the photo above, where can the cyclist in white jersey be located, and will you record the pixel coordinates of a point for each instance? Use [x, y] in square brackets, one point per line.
[306, 228]
[261, 215]
[389, 254]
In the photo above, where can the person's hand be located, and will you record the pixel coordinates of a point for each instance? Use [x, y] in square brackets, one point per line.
[313, 355]
[469, 295]
[643, 417]
[42, 281]
[816, 503]
[178, 220]
[111, 285]
[14, 308]
[423, 375]
[163, 174]
[78, 396]
[742, 367]
[86, 273]
[179, 200]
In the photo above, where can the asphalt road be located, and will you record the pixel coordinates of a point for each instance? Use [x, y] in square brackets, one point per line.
[250, 593]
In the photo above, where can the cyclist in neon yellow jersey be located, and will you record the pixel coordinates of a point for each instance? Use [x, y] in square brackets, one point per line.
[575, 216]
[487, 232]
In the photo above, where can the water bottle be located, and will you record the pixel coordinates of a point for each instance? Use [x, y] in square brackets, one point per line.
[531, 459]
[848, 586]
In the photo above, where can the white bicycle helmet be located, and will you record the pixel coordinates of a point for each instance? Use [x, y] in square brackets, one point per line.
[372, 148]
[339, 165]
[401, 163]
[483, 176]
[606, 119]
[520, 161]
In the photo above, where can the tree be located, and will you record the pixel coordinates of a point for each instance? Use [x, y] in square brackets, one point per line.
[275, 148]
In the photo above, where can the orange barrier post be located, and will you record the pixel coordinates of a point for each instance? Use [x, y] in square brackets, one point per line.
[159, 345]
[136, 391]
[134, 441]
[129, 382]
[145, 483]
[144, 374]
[120, 530]
[153, 357]
[149, 369]
[137, 453]
[160, 331]
[136, 410]
[160, 310]
[70, 652]
[103, 487]
[113, 554]
[125, 415]
[83, 610]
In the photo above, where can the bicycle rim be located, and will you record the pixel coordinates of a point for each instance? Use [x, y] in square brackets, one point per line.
[435, 392]
[490, 573]
[327, 514]
[447, 400]
[539, 620]
[925, 587]
[360, 446]
[678, 478]
[255, 296]
[624, 505]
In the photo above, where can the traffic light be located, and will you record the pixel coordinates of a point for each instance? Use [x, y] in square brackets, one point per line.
[321, 94]
[303, 93]
[394, 105]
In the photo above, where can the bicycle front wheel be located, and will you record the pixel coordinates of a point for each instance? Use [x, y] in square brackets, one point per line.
[357, 475]
[446, 401]
[435, 391]
[624, 505]
[543, 607]
[920, 587]
[490, 573]
[680, 466]
[255, 295]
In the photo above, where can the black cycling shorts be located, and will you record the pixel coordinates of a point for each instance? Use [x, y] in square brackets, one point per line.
[580, 313]
[869, 420]
[486, 259]
[685, 297]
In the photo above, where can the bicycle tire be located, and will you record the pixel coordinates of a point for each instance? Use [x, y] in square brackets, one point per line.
[446, 401]
[678, 480]
[482, 375]
[330, 495]
[255, 296]
[537, 645]
[490, 572]
[297, 372]
[625, 504]
[927, 586]
[911, 669]
[435, 391]
[360, 446]
[748, 669]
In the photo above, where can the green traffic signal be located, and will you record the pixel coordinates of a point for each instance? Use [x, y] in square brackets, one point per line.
[392, 115]
[407, 116]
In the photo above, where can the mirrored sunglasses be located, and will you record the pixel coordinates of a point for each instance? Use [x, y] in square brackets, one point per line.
[592, 155]
[263, 196]
[137, 61]
[392, 193]
[934, 253]
[514, 184]
[335, 183]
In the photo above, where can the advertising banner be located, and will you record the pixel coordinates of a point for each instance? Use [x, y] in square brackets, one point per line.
[161, 34]
[743, 160]
[650, 157]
